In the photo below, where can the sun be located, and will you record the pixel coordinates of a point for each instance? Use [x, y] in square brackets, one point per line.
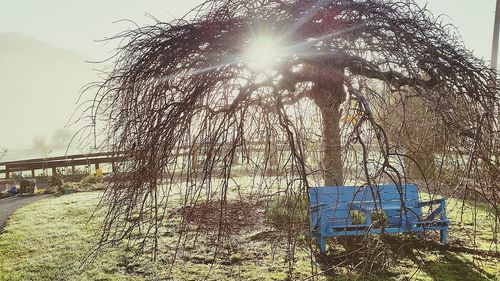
[263, 53]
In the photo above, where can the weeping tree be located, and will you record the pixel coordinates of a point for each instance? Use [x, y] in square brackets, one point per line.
[244, 87]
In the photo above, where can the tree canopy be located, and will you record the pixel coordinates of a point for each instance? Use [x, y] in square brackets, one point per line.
[260, 87]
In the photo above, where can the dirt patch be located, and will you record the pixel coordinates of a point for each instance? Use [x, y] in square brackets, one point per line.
[226, 218]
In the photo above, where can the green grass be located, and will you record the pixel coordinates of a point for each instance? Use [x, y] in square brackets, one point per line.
[49, 239]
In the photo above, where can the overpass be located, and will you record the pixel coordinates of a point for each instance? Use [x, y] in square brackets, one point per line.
[52, 163]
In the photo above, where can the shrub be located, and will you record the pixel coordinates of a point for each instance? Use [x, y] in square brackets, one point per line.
[89, 183]
[91, 179]
[235, 258]
[56, 182]
[379, 219]
[68, 185]
[288, 210]
[40, 191]
[357, 217]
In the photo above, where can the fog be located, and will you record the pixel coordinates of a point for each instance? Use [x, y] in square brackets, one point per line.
[46, 46]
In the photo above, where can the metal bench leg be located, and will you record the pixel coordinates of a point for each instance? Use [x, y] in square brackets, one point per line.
[443, 233]
[322, 244]
[404, 224]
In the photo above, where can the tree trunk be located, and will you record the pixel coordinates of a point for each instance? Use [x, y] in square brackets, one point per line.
[271, 154]
[328, 94]
[332, 146]
[426, 168]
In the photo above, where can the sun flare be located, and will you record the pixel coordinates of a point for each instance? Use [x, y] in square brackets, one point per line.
[263, 53]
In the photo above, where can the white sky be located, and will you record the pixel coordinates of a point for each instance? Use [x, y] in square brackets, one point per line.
[77, 24]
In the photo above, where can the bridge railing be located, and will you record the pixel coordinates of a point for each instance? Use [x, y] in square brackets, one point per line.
[52, 163]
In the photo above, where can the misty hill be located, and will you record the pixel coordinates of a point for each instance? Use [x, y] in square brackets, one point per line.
[39, 87]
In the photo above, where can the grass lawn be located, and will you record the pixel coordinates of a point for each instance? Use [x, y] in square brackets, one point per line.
[49, 240]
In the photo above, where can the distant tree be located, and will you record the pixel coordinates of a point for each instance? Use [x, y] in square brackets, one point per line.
[61, 138]
[415, 128]
[232, 75]
[40, 145]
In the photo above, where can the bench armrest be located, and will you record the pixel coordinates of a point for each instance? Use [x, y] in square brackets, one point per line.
[441, 210]
[441, 201]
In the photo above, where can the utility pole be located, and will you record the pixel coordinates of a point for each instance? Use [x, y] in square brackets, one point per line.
[494, 65]
[496, 34]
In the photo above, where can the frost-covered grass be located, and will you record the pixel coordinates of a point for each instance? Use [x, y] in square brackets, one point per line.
[49, 240]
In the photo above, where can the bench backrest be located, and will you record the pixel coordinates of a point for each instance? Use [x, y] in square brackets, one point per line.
[337, 201]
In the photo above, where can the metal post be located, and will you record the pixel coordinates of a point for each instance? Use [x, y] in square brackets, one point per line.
[494, 65]
[496, 34]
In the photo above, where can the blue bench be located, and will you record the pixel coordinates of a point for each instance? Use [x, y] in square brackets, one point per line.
[354, 211]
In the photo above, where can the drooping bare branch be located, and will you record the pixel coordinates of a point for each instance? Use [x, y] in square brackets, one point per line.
[352, 82]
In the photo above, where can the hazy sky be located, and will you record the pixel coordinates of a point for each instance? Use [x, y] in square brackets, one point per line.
[76, 25]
